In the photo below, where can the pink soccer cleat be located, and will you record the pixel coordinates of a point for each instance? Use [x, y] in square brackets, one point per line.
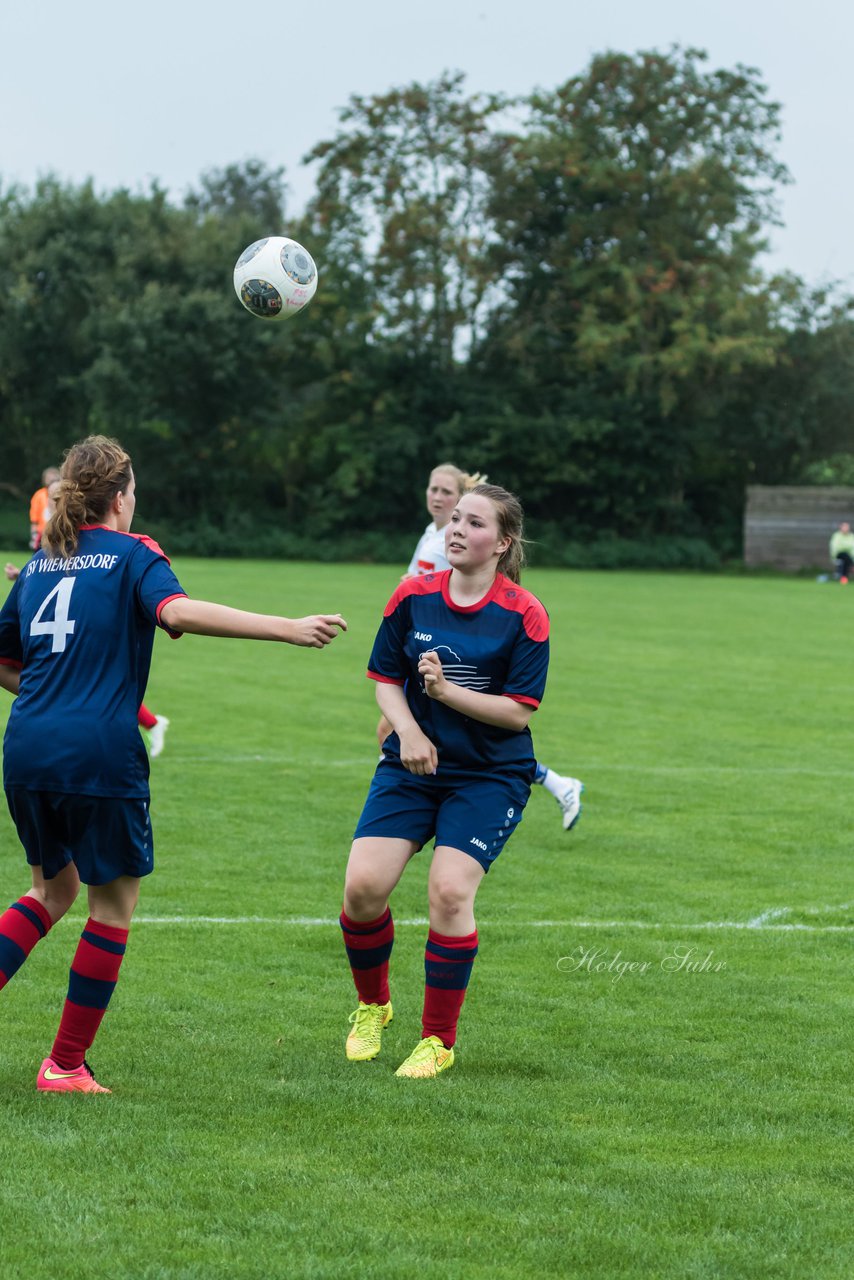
[55, 1079]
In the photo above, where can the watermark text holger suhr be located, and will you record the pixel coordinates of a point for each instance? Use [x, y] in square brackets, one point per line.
[677, 959]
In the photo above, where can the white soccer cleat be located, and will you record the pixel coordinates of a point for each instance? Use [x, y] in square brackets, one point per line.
[157, 735]
[570, 802]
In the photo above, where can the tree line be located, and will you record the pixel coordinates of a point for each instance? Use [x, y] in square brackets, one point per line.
[563, 291]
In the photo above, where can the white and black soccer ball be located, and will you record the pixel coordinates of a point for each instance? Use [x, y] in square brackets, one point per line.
[275, 278]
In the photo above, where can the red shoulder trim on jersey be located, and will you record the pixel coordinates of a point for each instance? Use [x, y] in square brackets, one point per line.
[140, 537]
[518, 697]
[425, 584]
[11, 662]
[151, 544]
[535, 620]
[176, 595]
[374, 675]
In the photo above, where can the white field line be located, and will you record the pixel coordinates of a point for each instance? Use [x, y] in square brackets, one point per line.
[369, 763]
[329, 922]
[765, 917]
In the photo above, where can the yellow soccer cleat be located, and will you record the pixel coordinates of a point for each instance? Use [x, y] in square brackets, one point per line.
[427, 1059]
[365, 1040]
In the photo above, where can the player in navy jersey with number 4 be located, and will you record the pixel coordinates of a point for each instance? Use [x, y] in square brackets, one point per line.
[76, 634]
[460, 662]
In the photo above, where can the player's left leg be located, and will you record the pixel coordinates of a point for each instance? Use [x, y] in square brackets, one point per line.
[55, 882]
[455, 878]
[155, 727]
[29, 919]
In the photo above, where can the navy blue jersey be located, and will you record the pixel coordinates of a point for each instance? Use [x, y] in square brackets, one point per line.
[499, 645]
[82, 631]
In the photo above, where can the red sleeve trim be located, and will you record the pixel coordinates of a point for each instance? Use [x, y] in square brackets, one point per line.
[374, 675]
[519, 697]
[177, 595]
[11, 662]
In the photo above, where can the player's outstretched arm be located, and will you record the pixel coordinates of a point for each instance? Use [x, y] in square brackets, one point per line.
[203, 618]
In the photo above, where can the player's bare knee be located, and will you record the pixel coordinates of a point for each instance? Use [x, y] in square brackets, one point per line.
[57, 898]
[364, 899]
[448, 898]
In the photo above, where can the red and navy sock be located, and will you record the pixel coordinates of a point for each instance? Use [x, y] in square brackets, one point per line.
[21, 927]
[146, 719]
[369, 944]
[448, 964]
[94, 973]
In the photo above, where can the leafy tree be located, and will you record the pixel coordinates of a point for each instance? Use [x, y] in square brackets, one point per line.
[562, 291]
[242, 191]
[629, 213]
[403, 186]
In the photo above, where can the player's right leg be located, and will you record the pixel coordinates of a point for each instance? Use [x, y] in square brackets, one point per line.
[91, 982]
[113, 849]
[374, 868]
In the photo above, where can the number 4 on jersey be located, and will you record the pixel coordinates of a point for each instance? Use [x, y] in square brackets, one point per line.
[61, 628]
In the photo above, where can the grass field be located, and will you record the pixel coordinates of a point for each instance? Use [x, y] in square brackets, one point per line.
[654, 1065]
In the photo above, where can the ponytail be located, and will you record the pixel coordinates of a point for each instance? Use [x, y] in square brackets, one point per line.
[93, 472]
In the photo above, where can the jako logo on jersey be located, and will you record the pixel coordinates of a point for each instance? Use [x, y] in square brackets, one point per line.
[479, 843]
[420, 635]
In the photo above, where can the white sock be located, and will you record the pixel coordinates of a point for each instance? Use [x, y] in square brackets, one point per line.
[554, 783]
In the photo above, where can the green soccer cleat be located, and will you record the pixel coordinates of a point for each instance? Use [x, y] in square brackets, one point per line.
[365, 1040]
[427, 1059]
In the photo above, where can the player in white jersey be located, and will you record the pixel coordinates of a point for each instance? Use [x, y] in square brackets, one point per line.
[445, 487]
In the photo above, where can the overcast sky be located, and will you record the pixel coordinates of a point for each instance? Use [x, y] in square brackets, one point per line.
[129, 93]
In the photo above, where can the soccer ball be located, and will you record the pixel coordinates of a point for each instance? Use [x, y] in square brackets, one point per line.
[275, 278]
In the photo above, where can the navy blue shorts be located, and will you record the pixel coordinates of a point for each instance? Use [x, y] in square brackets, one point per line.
[474, 812]
[104, 836]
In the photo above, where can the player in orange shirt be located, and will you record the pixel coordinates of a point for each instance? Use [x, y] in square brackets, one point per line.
[41, 507]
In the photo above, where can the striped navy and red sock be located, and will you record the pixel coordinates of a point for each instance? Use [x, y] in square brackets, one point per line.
[448, 964]
[24, 924]
[91, 982]
[369, 944]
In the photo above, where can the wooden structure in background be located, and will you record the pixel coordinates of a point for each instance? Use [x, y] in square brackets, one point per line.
[789, 527]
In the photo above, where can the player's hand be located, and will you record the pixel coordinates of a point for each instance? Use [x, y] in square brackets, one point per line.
[318, 630]
[430, 670]
[417, 753]
[11, 571]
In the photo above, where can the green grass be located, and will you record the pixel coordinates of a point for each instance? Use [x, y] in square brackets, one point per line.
[658, 1124]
